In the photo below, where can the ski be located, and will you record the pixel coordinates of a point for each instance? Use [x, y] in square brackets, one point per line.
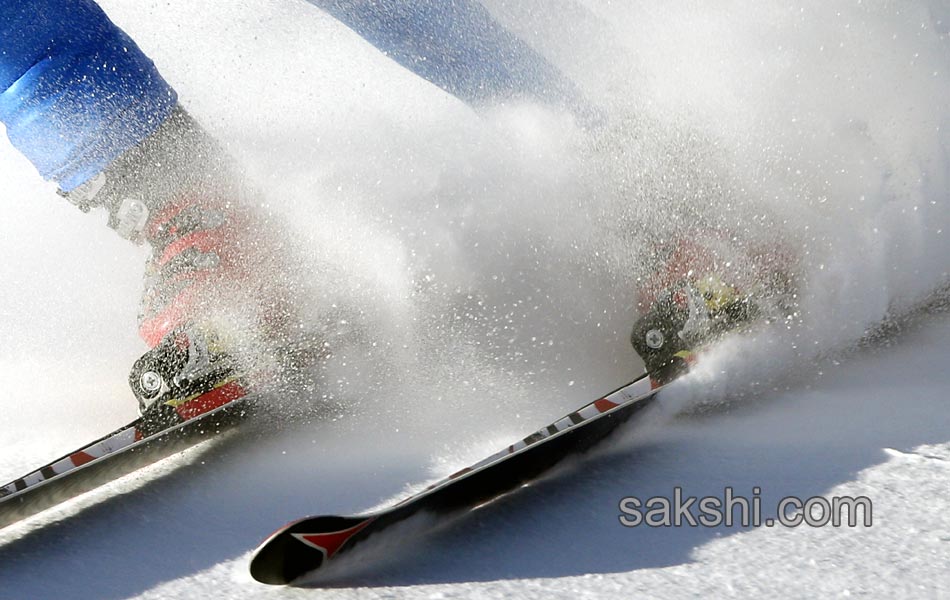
[119, 453]
[308, 544]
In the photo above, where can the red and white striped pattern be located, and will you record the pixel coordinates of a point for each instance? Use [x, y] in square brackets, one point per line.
[119, 440]
[125, 437]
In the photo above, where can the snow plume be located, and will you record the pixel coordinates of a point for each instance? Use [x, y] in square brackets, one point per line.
[499, 253]
[823, 128]
[477, 271]
[471, 267]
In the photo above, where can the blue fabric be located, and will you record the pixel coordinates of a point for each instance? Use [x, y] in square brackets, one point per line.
[458, 46]
[77, 92]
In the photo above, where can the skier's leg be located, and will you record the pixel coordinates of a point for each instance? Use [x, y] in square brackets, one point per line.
[75, 91]
[458, 46]
[91, 112]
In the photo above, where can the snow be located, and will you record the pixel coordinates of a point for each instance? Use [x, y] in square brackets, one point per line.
[491, 255]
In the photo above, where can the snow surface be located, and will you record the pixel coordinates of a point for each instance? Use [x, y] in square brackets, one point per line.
[492, 256]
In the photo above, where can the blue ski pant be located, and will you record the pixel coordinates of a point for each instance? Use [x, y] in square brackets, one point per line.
[76, 92]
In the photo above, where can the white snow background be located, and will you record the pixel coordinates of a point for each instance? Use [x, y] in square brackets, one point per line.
[489, 261]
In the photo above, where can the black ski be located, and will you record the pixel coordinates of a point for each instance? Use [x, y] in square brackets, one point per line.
[307, 544]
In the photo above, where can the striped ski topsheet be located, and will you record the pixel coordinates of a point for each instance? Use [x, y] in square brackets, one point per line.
[121, 439]
[631, 391]
[195, 406]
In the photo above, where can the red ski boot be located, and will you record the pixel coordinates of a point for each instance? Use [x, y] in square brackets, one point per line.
[217, 298]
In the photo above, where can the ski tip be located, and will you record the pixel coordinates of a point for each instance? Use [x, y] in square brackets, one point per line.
[278, 562]
[303, 546]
